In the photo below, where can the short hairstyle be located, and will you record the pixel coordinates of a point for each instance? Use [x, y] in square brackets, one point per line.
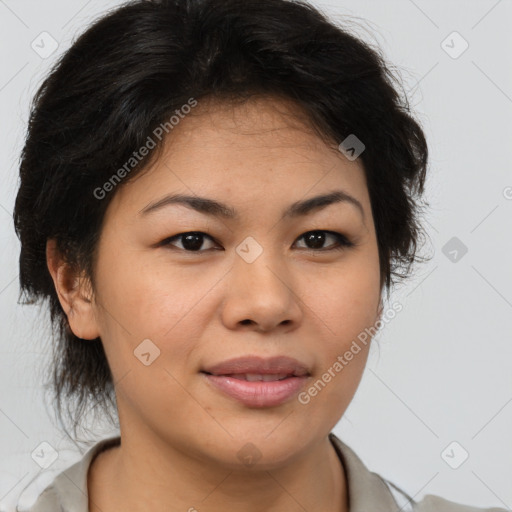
[137, 66]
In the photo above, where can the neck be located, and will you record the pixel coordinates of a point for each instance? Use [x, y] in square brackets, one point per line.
[144, 476]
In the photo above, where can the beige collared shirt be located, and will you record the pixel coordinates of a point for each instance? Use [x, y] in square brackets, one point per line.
[367, 491]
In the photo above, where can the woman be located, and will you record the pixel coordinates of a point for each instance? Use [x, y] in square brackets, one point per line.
[214, 196]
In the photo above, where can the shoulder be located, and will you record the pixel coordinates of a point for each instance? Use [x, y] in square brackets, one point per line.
[370, 491]
[47, 501]
[431, 503]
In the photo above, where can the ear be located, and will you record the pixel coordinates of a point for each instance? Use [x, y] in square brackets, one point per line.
[74, 292]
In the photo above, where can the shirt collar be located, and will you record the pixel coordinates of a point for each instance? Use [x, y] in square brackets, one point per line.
[68, 491]
[366, 490]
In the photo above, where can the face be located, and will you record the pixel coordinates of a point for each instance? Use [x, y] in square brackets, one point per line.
[255, 282]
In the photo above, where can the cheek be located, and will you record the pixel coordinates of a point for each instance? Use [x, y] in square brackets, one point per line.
[153, 303]
[347, 316]
[347, 310]
[346, 304]
[148, 299]
[345, 299]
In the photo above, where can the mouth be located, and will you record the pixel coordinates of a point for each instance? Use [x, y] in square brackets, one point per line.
[258, 382]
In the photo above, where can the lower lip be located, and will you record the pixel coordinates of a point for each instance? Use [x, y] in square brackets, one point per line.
[260, 393]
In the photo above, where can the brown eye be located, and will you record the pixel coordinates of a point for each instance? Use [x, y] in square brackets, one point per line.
[315, 240]
[192, 241]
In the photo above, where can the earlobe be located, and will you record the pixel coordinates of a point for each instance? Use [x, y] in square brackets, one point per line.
[74, 293]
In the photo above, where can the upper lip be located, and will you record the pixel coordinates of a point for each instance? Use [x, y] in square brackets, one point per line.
[259, 365]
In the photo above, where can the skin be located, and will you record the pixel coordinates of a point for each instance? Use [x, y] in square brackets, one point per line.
[180, 437]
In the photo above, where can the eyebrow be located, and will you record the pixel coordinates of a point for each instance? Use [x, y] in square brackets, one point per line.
[215, 208]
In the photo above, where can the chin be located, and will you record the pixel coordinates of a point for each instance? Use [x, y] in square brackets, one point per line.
[265, 451]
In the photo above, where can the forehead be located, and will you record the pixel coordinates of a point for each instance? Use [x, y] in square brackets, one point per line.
[262, 124]
[265, 146]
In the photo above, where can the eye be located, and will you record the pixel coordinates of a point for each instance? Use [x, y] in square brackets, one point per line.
[316, 239]
[191, 241]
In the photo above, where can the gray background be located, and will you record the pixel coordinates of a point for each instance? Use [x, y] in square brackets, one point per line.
[440, 371]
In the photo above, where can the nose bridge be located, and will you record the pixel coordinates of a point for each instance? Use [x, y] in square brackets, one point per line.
[260, 289]
[261, 269]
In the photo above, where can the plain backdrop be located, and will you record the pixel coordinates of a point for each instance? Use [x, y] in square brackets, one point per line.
[438, 384]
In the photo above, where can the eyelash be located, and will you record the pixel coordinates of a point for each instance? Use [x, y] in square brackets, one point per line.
[342, 241]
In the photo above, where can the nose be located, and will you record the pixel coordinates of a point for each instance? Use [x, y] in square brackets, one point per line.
[260, 296]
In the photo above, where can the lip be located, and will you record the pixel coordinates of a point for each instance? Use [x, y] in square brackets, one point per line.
[259, 365]
[257, 394]
[222, 377]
